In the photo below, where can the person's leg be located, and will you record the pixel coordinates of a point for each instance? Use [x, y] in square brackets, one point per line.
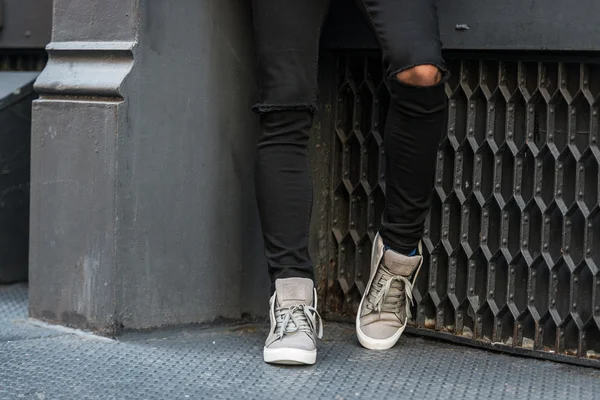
[287, 36]
[408, 33]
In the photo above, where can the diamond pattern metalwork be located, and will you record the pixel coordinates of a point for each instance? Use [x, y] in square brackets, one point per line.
[22, 61]
[512, 242]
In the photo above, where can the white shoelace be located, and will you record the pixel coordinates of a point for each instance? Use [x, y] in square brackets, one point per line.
[298, 318]
[380, 299]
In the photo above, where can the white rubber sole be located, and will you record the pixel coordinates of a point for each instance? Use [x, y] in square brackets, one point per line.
[290, 356]
[377, 344]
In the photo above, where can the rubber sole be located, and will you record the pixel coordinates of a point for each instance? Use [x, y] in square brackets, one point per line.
[377, 344]
[288, 356]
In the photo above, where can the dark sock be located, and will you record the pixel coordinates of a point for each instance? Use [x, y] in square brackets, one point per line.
[411, 254]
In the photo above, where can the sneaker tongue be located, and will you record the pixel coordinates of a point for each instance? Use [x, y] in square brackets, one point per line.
[292, 291]
[399, 264]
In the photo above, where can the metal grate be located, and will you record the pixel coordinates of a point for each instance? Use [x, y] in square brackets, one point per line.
[513, 237]
[22, 61]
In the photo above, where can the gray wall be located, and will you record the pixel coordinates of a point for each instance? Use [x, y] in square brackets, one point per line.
[187, 190]
[25, 24]
[143, 208]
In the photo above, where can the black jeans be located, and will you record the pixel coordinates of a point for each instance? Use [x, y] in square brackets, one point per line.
[287, 34]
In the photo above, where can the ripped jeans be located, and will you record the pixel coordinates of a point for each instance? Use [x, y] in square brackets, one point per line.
[287, 34]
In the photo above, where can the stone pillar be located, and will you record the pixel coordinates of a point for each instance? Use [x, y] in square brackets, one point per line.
[142, 203]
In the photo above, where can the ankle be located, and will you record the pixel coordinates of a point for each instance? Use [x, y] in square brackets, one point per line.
[405, 251]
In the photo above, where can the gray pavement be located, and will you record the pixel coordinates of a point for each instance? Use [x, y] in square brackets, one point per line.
[225, 362]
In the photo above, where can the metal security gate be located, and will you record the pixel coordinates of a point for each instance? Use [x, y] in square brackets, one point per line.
[513, 238]
[18, 70]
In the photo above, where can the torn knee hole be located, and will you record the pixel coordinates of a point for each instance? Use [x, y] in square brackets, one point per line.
[420, 75]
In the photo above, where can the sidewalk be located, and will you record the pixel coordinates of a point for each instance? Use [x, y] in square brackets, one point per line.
[226, 363]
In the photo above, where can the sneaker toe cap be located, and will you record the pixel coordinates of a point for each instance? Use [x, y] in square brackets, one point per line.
[379, 330]
[300, 341]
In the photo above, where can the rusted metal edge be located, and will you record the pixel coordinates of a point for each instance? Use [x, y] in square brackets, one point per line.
[499, 348]
[502, 348]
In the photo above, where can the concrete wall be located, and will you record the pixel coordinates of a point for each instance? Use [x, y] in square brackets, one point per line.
[142, 210]
[187, 188]
[25, 24]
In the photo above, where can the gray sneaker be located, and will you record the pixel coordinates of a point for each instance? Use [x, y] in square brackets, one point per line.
[385, 306]
[295, 323]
